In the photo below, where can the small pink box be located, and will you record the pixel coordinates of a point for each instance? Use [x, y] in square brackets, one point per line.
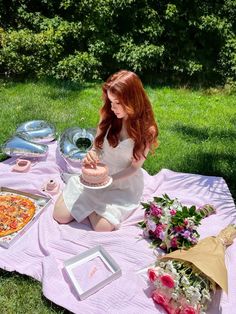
[22, 165]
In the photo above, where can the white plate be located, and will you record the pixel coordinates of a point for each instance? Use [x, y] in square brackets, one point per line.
[94, 187]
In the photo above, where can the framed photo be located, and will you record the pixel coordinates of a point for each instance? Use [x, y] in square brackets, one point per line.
[91, 271]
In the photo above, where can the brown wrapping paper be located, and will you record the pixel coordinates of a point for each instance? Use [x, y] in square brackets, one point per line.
[209, 256]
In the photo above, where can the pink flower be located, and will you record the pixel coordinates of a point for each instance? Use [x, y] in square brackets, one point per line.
[152, 274]
[155, 211]
[167, 281]
[169, 309]
[185, 221]
[174, 242]
[163, 246]
[172, 212]
[178, 228]
[186, 234]
[159, 298]
[189, 310]
[158, 230]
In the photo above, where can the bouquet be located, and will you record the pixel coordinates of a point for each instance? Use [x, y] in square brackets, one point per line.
[180, 287]
[170, 225]
[183, 281]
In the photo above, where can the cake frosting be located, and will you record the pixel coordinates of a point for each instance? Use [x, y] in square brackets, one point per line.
[97, 175]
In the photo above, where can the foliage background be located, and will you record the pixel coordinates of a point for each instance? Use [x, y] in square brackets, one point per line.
[180, 41]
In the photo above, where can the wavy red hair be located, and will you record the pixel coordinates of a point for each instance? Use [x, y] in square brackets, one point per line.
[140, 124]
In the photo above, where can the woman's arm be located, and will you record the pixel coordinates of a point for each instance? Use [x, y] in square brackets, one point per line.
[93, 155]
[131, 170]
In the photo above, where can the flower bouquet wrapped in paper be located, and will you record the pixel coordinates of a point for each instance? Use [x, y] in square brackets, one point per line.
[183, 281]
[170, 225]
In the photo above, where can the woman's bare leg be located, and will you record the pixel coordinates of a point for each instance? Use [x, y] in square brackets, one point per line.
[61, 213]
[63, 216]
[99, 223]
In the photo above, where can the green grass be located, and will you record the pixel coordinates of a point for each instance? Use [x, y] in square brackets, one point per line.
[21, 294]
[197, 135]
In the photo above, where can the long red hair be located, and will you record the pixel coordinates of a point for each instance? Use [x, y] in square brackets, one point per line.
[140, 124]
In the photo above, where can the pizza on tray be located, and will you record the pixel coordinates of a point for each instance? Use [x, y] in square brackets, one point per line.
[15, 212]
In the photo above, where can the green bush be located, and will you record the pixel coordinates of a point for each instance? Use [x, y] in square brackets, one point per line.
[25, 52]
[139, 57]
[228, 59]
[89, 39]
[78, 67]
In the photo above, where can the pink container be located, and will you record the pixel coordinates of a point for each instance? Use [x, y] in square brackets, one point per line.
[22, 165]
[51, 187]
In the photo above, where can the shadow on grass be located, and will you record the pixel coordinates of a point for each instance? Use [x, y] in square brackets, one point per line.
[209, 164]
[163, 78]
[51, 89]
[233, 120]
[19, 278]
[64, 90]
[202, 134]
[66, 84]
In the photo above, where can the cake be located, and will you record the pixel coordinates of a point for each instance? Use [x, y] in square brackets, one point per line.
[95, 176]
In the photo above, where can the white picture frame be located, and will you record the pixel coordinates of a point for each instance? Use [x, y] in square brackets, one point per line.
[91, 270]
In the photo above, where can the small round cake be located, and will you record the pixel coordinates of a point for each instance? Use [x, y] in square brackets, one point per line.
[95, 176]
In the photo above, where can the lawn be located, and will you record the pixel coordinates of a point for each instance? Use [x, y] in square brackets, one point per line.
[197, 135]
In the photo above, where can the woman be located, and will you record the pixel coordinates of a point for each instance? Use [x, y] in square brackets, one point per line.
[126, 132]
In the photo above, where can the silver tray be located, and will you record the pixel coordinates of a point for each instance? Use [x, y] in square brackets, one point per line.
[40, 201]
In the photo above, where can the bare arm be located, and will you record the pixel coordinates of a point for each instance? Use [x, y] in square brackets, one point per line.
[131, 170]
[92, 156]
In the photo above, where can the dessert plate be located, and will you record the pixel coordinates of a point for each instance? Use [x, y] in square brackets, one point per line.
[94, 186]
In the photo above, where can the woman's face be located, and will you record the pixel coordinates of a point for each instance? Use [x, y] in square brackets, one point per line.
[116, 107]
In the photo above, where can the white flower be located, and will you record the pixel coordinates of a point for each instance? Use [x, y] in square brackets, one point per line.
[151, 225]
[206, 295]
[185, 281]
[175, 296]
[196, 296]
[164, 219]
[174, 271]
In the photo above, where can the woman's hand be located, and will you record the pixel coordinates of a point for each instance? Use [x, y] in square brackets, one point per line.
[91, 158]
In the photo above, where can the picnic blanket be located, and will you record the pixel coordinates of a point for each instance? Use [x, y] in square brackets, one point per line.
[41, 251]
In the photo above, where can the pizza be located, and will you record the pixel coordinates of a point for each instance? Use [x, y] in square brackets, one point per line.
[15, 212]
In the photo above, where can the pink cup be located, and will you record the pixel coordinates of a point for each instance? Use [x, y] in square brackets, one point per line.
[51, 187]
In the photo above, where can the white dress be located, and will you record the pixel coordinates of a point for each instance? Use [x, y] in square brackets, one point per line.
[116, 202]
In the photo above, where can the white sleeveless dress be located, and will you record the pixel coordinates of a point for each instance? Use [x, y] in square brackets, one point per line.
[116, 202]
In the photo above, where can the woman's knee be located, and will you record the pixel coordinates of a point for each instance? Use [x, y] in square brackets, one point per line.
[100, 224]
[103, 227]
[62, 220]
[60, 212]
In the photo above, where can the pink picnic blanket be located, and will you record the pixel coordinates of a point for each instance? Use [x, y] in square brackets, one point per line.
[41, 251]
